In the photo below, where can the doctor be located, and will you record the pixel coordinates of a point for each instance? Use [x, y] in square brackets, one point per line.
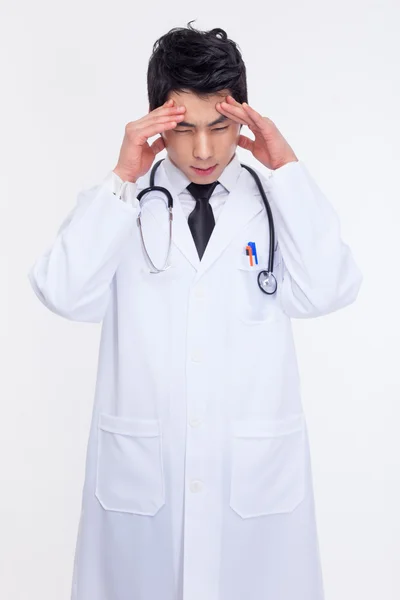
[198, 476]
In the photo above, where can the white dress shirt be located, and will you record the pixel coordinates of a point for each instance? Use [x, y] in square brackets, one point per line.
[127, 190]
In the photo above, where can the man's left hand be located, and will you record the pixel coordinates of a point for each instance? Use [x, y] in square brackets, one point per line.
[269, 145]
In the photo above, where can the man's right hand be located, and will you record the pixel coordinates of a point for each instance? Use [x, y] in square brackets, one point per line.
[136, 155]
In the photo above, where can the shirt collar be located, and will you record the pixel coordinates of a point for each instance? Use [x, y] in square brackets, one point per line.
[179, 181]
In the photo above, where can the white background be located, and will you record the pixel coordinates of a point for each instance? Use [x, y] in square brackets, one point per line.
[73, 75]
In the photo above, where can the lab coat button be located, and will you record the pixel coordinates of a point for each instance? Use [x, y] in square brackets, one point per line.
[196, 486]
[195, 421]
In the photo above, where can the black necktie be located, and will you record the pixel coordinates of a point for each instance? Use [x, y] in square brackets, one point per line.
[201, 220]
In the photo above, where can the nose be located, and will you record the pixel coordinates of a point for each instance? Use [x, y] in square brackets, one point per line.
[202, 149]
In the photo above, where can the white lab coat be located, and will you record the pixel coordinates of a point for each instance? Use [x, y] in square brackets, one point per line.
[198, 477]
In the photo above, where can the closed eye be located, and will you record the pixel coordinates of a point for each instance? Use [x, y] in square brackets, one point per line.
[186, 130]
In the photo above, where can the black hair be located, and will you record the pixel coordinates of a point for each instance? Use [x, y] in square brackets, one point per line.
[203, 62]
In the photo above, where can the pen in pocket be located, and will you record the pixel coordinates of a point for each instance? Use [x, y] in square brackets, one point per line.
[251, 251]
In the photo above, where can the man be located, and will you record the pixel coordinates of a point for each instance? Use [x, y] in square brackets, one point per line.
[198, 478]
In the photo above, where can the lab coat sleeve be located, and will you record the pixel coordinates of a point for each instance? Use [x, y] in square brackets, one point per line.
[318, 274]
[125, 190]
[73, 276]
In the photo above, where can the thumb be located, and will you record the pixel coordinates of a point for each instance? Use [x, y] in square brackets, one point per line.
[246, 143]
[157, 145]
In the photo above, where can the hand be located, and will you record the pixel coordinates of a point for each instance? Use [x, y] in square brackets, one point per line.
[269, 145]
[136, 155]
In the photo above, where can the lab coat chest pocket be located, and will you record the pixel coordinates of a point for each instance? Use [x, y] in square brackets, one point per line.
[130, 475]
[253, 305]
[268, 466]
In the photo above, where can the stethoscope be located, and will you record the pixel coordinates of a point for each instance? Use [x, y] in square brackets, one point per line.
[266, 279]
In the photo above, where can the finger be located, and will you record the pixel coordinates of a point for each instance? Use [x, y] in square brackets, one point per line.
[246, 143]
[166, 104]
[151, 119]
[169, 104]
[158, 125]
[165, 110]
[158, 145]
[255, 125]
[169, 107]
[249, 114]
[169, 111]
[237, 111]
[263, 124]
[161, 118]
[238, 118]
[231, 100]
[146, 132]
[254, 115]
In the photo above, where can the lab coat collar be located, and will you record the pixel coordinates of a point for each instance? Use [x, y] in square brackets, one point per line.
[179, 181]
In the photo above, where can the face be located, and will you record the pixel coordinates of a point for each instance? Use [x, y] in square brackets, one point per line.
[199, 140]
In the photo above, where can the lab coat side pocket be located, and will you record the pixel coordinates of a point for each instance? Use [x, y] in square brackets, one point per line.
[130, 474]
[268, 465]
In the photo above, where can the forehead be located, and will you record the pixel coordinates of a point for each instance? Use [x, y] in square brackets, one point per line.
[200, 110]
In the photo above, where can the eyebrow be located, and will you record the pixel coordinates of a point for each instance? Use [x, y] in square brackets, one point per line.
[220, 119]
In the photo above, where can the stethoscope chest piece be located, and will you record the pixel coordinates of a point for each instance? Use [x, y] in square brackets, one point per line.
[267, 282]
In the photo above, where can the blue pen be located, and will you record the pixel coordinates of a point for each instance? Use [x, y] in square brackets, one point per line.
[253, 247]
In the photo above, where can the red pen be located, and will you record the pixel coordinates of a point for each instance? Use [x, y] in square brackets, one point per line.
[249, 252]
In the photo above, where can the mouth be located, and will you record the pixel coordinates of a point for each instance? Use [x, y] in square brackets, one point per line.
[204, 171]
